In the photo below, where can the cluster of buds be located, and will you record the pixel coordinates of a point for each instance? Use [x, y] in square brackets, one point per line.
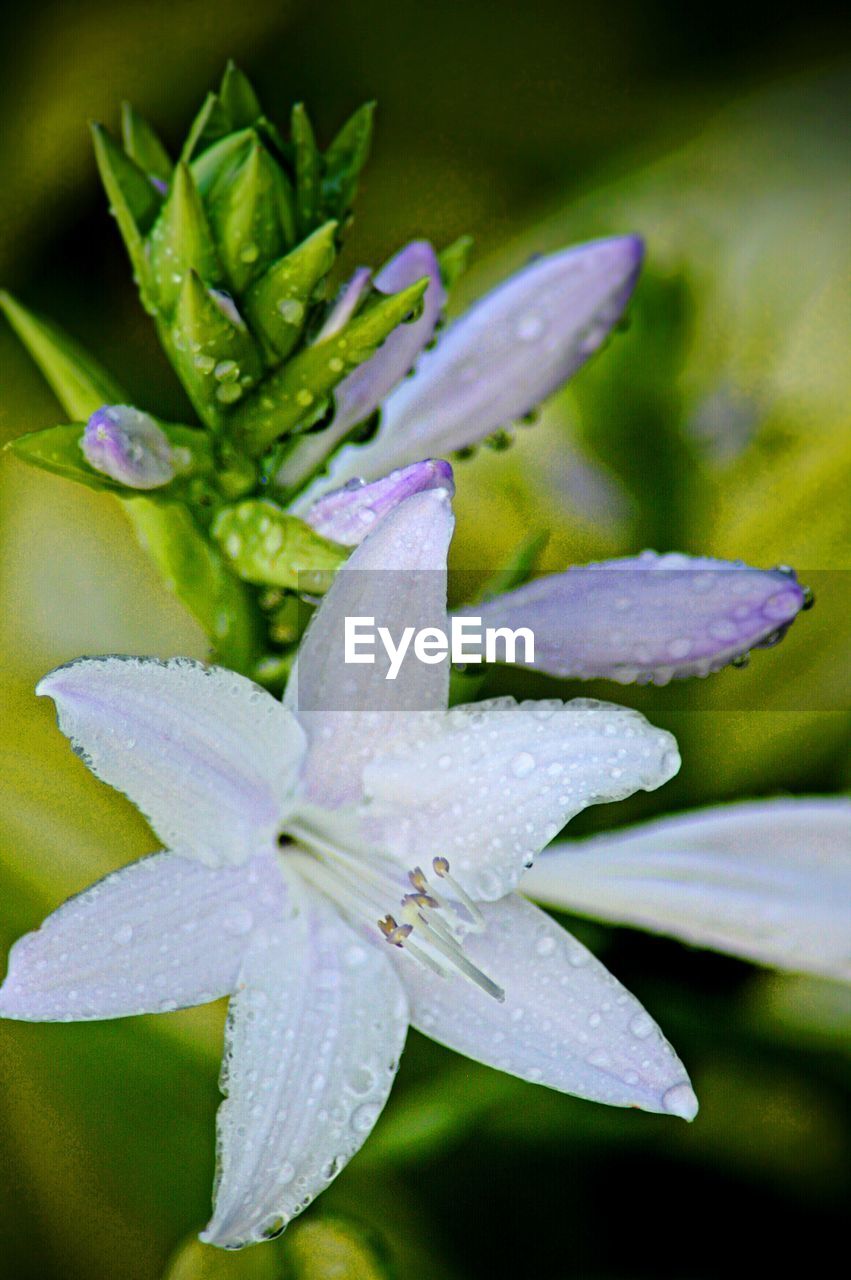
[231, 247]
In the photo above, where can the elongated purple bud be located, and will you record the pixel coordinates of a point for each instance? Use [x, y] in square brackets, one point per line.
[347, 515]
[127, 445]
[650, 619]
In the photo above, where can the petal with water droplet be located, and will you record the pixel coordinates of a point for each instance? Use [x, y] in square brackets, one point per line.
[769, 881]
[347, 515]
[566, 1022]
[489, 784]
[397, 577]
[160, 934]
[208, 756]
[313, 1041]
[511, 350]
[649, 618]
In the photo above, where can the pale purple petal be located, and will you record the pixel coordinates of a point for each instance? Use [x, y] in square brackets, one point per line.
[496, 781]
[566, 1022]
[347, 515]
[209, 757]
[769, 881]
[314, 1037]
[160, 934]
[510, 351]
[398, 577]
[362, 392]
[345, 305]
[128, 446]
[651, 618]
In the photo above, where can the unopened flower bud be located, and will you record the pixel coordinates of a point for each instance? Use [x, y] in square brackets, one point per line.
[127, 445]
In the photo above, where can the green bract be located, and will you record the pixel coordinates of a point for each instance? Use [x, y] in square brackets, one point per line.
[231, 247]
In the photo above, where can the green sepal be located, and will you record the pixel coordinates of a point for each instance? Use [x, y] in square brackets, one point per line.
[252, 217]
[278, 304]
[215, 359]
[298, 394]
[209, 126]
[308, 169]
[57, 449]
[143, 146]
[343, 161]
[216, 167]
[521, 564]
[181, 241]
[454, 260]
[194, 570]
[79, 383]
[133, 200]
[238, 99]
[268, 547]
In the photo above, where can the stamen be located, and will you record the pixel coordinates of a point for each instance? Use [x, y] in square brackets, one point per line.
[441, 868]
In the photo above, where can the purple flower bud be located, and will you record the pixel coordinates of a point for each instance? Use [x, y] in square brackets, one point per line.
[347, 515]
[651, 618]
[127, 445]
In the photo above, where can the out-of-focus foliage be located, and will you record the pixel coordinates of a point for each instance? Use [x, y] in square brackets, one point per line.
[717, 423]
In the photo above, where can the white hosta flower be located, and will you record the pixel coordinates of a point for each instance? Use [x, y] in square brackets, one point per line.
[341, 866]
[767, 880]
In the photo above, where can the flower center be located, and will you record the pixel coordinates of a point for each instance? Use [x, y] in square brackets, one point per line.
[428, 919]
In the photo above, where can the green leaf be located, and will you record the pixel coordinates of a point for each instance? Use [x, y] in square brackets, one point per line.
[252, 217]
[181, 241]
[143, 146]
[324, 1247]
[238, 99]
[193, 569]
[57, 449]
[344, 160]
[133, 199]
[297, 395]
[278, 304]
[79, 383]
[209, 126]
[267, 546]
[308, 168]
[454, 260]
[215, 359]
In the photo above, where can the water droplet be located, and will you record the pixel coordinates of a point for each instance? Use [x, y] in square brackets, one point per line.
[249, 253]
[238, 921]
[545, 946]
[365, 1117]
[529, 327]
[168, 1006]
[641, 1025]
[304, 397]
[286, 1173]
[522, 765]
[123, 934]
[291, 310]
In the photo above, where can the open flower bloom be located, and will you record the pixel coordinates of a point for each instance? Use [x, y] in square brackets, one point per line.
[342, 865]
[767, 880]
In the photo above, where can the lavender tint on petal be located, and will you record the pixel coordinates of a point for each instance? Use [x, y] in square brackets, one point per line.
[362, 391]
[511, 350]
[347, 515]
[649, 619]
[344, 307]
[127, 445]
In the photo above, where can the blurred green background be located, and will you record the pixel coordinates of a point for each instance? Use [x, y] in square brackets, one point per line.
[718, 423]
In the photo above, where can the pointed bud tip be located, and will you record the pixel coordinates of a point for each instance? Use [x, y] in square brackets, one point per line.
[681, 1100]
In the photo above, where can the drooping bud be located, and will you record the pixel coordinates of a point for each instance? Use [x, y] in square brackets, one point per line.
[347, 515]
[128, 446]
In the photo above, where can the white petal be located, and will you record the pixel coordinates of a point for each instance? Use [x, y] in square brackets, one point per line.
[566, 1022]
[514, 348]
[498, 780]
[160, 934]
[397, 577]
[769, 881]
[207, 756]
[314, 1038]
